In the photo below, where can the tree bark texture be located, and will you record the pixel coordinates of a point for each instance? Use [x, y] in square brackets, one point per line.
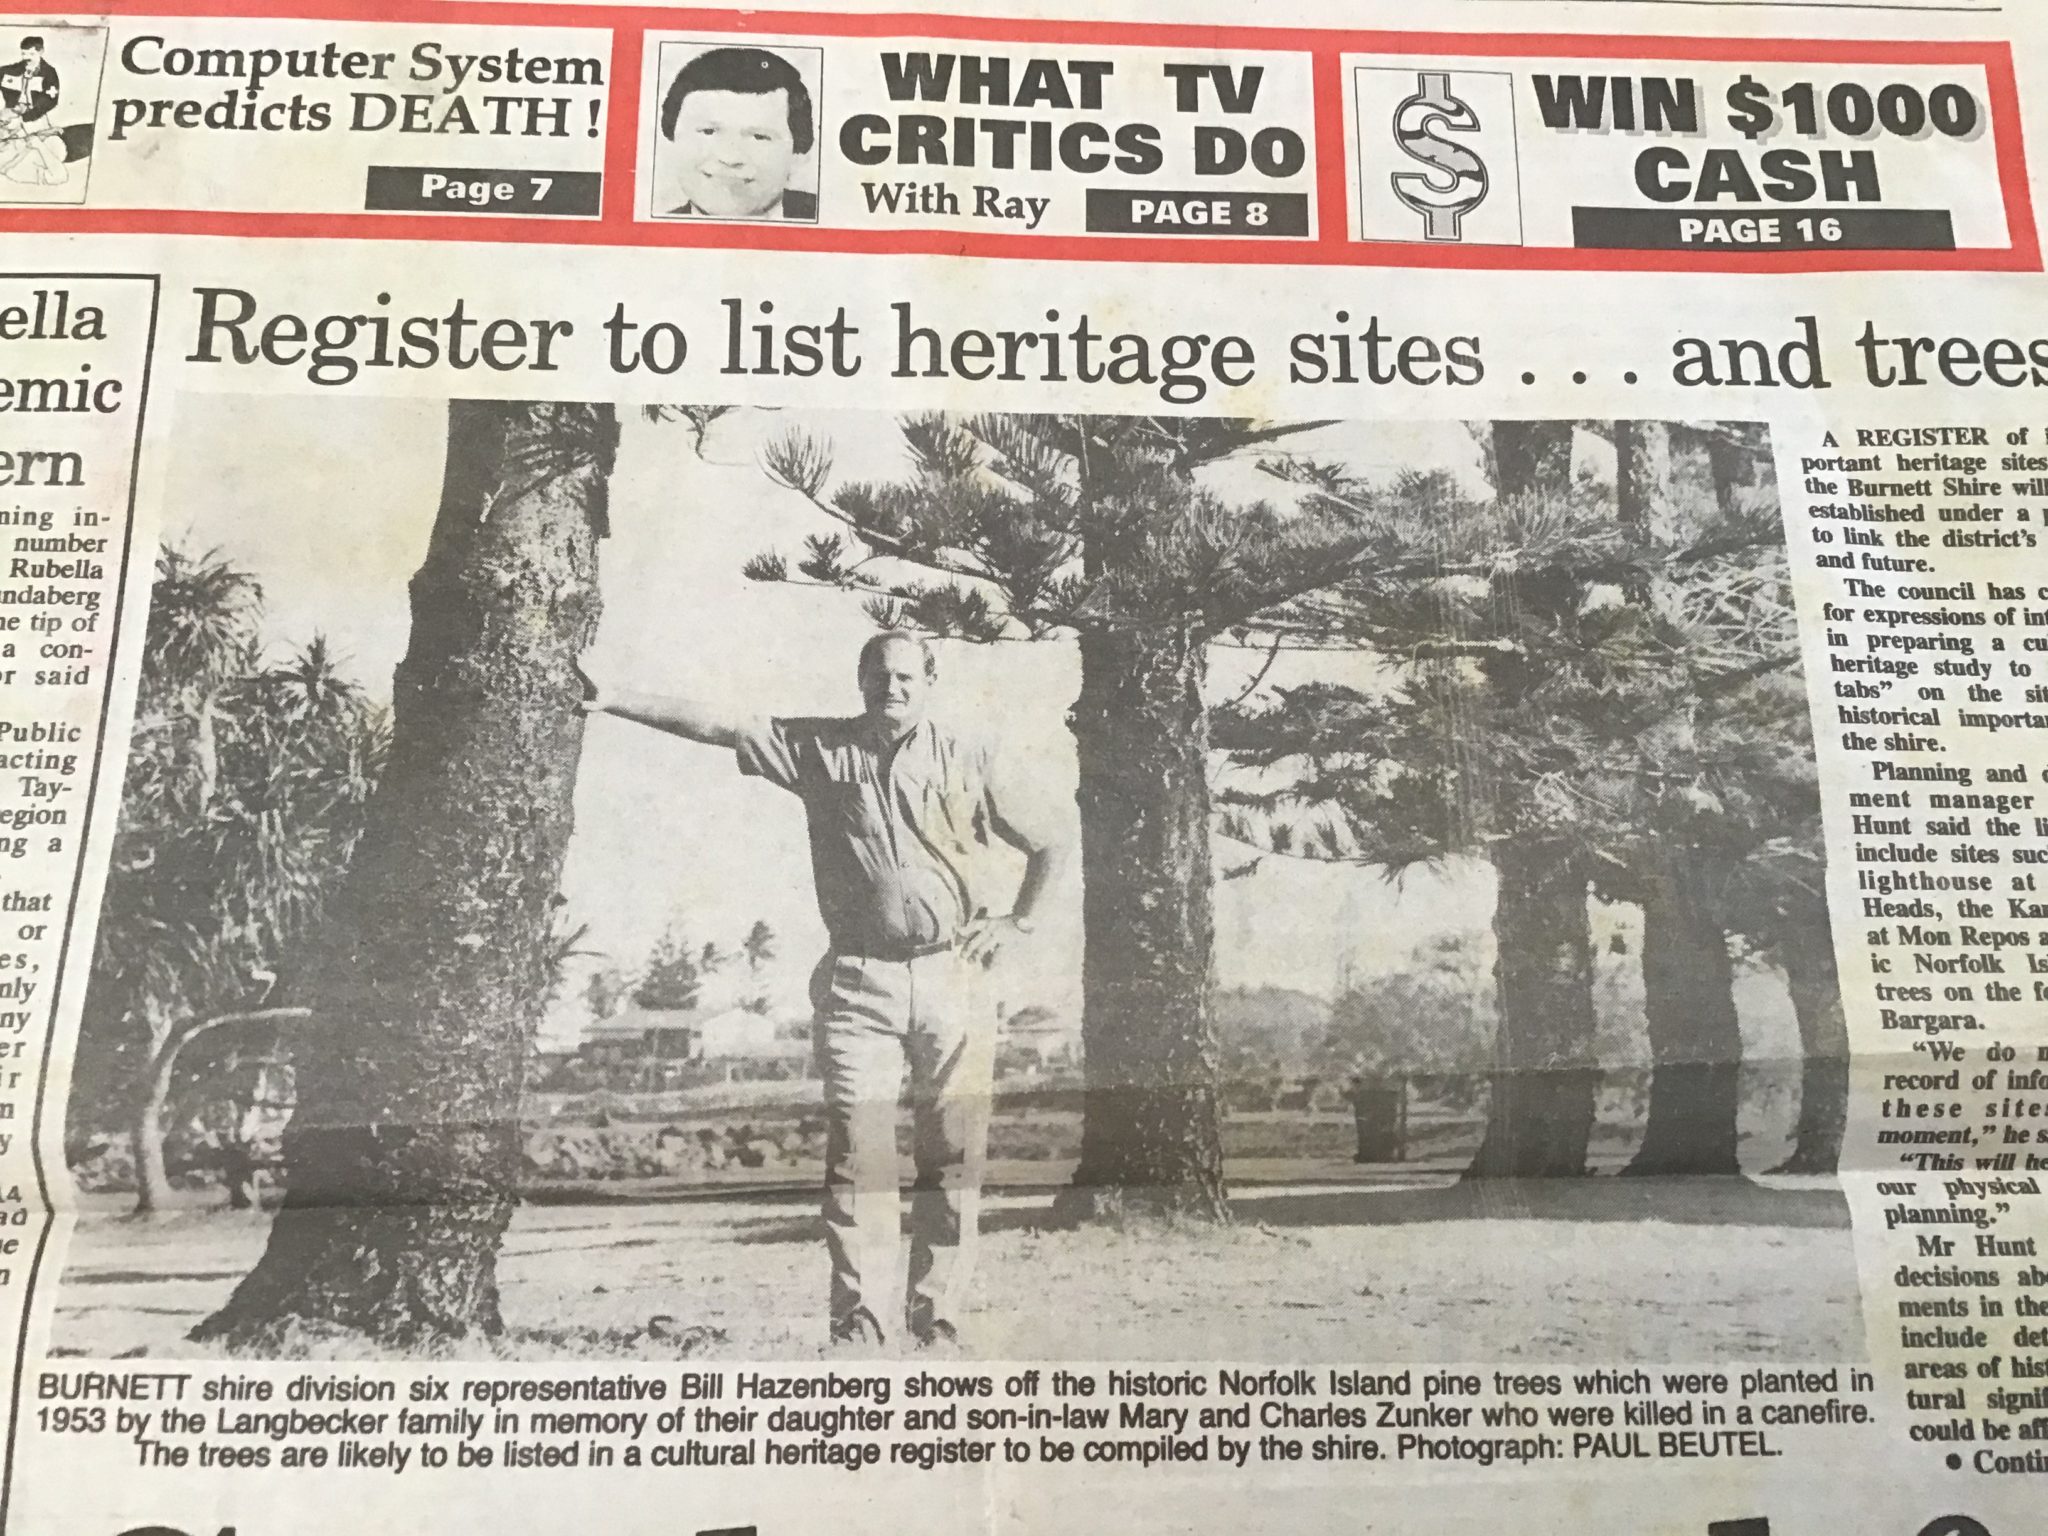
[1150, 1129]
[1642, 476]
[428, 978]
[1541, 1115]
[1695, 1040]
[1807, 952]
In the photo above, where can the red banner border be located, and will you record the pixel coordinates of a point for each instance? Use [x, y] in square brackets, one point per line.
[628, 26]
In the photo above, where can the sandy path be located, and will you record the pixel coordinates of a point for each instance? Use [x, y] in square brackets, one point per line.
[1653, 1270]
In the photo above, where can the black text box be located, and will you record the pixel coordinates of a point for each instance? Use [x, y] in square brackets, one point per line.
[1759, 229]
[1129, 211]
[466, 189]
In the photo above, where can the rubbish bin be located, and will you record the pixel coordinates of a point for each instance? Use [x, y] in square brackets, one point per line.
[1379, 1114]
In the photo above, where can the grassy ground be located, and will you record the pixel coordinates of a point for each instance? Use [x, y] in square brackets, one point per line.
[1322, 1263]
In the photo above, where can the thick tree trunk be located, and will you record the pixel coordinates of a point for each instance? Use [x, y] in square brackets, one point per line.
[1633, 480]
[1642, 477]
[1695, 1040]
[1715, 461]
[1541, 1114]
[1544, 1083]
[1734, 470]
[431, 968]
[1532, 456]
[1807, 952]
[1150, 1135]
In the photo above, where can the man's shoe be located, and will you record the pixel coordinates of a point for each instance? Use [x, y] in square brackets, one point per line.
[857, 1328]
[937, 1334]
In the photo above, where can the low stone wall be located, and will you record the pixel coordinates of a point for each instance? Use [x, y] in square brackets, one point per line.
[576, 1153]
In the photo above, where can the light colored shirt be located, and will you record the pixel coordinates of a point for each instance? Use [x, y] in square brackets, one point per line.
[900, 831]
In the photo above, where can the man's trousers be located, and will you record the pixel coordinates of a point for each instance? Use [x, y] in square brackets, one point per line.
[874, 1018]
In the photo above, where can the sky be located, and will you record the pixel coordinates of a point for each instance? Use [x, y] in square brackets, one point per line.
[328, 502]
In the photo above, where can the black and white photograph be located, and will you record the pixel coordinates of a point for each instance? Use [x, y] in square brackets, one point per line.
[736, 130]
[730, 883]
[49, 94]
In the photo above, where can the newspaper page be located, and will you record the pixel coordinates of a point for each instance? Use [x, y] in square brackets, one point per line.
[1042, 767]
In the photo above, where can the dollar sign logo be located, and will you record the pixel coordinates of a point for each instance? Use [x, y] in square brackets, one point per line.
[1456, 180]
[1749, 108]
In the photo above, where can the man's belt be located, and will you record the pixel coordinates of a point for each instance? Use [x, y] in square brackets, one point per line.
[898, 953]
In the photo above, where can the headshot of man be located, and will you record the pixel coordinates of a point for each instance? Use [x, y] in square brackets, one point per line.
[28, 85]
[903, 810]
[32, 152]
[740, 118]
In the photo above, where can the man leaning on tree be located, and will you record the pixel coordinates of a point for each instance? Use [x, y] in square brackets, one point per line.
[903, 813]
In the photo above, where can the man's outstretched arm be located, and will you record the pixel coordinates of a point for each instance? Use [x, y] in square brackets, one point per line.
[677, 714]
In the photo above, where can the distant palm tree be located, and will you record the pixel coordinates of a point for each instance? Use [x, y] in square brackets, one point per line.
[243, 799]
[759, 947]
[202, 619]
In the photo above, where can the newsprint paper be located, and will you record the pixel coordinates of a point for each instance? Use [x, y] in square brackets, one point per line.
[1074, 766]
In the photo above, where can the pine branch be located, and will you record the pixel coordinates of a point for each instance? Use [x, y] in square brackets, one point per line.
[698, 418]
[1206, 442]
[1764, 535]
[1258, 677]
[802, 463]
[1718, 684]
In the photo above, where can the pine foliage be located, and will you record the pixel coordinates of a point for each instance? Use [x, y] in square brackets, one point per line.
[1556, 672]
[1015, 527]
